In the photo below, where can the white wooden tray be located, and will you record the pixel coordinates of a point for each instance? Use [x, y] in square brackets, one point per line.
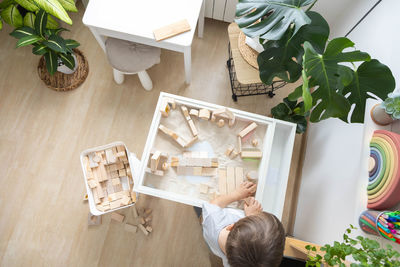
[273, 168]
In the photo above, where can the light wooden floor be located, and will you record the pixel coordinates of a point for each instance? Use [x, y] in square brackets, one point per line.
[42, 132]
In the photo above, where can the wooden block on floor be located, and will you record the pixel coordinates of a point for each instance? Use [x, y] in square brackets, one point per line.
[130, 228]
[93, 220]
[171, 30]
[143, 229]
[147, 211]
[230, 179]
[117, 217]
[149, 229]
[253, 154]
[247, 130]
[142, 221]
[222, 181]
[134, 212]
[239, 177]
[148, 219]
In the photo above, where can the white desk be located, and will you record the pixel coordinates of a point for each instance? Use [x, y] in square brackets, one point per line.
[135, 20]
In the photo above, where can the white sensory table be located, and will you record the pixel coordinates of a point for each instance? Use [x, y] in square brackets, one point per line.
[135, 20]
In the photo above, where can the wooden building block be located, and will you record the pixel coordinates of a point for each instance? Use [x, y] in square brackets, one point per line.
[115, 204]
[173, 135]
[165, 108]
[185, 112]
[148, 219]
[142, 221]
[208, 171]
[95, 196]
[252, 176]
[171, 30]
[130, 228]
[230, 179]
[253, 154]
[120, 165]
[194, 112]
[120, 148]
[92, 162]
[239, 178]
[100, 191]
[154, 160]
[93, 220]
[222, 181]
[110, 156]
[114, 174]
[171, 102]
[115, 181]
[248, 129]
[221, 123]
[191, 142]
[148, 211]
[143, 229]
[254, 142]
[165, 166]
[229, 150]
[125, 200]
[134, 212]
[234, 154]
[197, 171]
[204, 114]
[193, 128]
[117, 217]
[92, 183]
[156, 172]
[122, 173]
[112, 167]
[103, 172]
[239, 144]
[149, 229]
[203, 188]
[133, 196]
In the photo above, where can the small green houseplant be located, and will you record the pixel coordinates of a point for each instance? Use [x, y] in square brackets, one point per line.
[364, 251]
[296, 45]
[392, 105]
[34, 25]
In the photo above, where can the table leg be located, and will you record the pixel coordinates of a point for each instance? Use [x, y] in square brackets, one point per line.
[187, 54]
[200, 24]
[99, 38]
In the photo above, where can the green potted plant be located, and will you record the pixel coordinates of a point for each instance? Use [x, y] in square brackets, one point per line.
[295, 41]
[388, 111]
[34, 25]
[364, 251]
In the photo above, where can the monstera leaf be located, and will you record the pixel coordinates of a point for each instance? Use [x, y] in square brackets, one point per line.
[270, 19]
[370, 77]
[287, 111]
[327, 76]
[277, 59]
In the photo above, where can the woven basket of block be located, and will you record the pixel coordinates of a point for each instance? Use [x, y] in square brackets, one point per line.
[61, 81]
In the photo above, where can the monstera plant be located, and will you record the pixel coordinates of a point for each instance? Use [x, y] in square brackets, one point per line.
[335, 75]
[35, 25]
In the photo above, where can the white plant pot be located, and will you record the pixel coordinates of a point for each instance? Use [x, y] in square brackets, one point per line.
[379, 115]
[64, 69]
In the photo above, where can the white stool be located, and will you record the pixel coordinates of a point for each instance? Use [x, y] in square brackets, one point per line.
[131, 58]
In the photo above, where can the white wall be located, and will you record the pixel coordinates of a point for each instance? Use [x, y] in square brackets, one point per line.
[331, 194]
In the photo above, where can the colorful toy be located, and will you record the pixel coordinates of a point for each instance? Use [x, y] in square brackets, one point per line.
[385, 224]
[384, 171]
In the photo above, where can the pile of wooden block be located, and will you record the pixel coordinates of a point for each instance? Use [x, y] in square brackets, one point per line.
[141, 221]
[109, 177]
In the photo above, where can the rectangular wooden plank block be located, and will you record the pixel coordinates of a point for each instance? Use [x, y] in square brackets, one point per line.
[130, 228]
[171, 30]
[117, 217]
[248, 129]
[154, 160]
[222, 181]
[238, 176]
[251, 154]
[230, 179]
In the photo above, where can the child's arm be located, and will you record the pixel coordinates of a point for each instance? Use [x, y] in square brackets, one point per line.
[245, 189]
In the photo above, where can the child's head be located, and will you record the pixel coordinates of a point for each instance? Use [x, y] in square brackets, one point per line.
[256, 240]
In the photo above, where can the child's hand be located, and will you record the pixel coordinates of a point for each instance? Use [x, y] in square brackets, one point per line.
[252, 206]
[245, 189]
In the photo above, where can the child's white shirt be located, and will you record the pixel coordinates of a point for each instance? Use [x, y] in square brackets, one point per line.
[215, 219]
